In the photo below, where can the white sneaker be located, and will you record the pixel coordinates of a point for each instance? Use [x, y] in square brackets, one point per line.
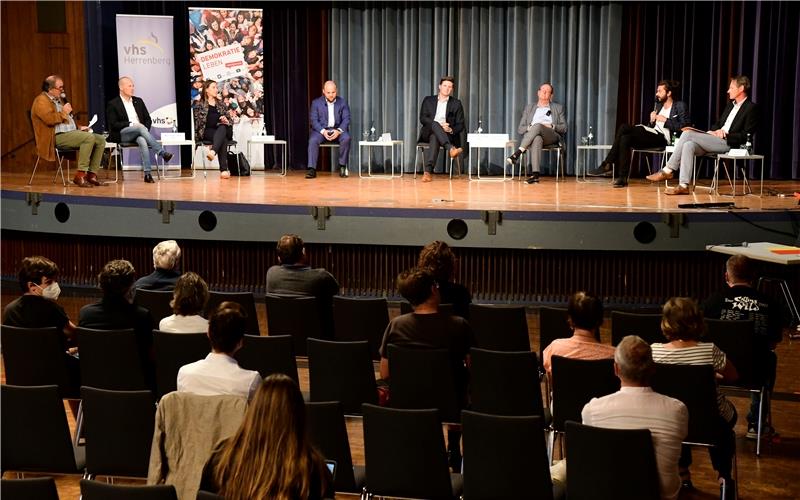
[224, 174]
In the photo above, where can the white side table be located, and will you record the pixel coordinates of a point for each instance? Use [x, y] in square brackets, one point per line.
[580, 174]
[171, 142]
[380, 144]
[265, 140]
[488, 141]
[746, 189]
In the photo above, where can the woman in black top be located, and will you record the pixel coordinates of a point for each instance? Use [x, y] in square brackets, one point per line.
[211, 124]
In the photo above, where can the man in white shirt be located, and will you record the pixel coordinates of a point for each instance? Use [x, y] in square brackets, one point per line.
[129, 121]
[219, 373]
[737, 123]
[442, 118]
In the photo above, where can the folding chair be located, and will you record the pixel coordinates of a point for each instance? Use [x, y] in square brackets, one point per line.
[420, 149]
[556, 147]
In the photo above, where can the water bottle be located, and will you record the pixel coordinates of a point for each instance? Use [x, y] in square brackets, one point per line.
[674, 138]
[480, 126]
[174, 126]
[590, 137]
[748, 145]
[372, 131]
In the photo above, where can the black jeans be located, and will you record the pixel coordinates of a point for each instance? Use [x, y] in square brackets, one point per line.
[437, 138]
[219, 137]
[631, 137]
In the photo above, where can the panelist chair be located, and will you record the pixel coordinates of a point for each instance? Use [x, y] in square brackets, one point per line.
[557, 147]
[231, 144]
[68, 154]
[122, 146]
[647, 152]
[422, 146]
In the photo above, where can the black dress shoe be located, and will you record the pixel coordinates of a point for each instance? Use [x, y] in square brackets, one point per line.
[167, 156]
[620, 183]
[81, 181]
[533, 179]
[148, 179]
[604, 170]
[511, 160]
[343, 171]
[312, 173]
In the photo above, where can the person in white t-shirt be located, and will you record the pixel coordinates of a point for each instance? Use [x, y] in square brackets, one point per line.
[189, 299]
[219, 373]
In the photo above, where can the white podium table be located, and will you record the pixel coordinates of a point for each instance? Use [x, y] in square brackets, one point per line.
[380, 144]
[487, 141]
[266, 140]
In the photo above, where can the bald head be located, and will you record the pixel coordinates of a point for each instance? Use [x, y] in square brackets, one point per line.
[126, 86]
[329, 90]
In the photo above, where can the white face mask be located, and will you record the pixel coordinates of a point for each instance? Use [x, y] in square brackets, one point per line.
[51, 291]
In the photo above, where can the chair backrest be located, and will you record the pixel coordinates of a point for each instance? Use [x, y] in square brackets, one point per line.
[405, 454]
[695, 386]
[505, 383]
[34, 431]
[173, 350]
[499, 328]
[39, 488]
[406, 307]
[423, 378]
[576, 382]
[504, 457]
[552, 325]
[95, 490]
[610, 463]
[35, 356]
[244, 299]
[118, 427]
[268, 355]
[342, 371]
[295, 316]
[646, 326]
[328, 433]
[155, 301]
[737, 339]
[207, 495]
[110, 360]
[360, 319]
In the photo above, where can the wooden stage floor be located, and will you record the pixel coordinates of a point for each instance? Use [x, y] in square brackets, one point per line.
[406, 192]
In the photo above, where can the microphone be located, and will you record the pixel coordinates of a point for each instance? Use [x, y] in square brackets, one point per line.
[548, 113]
[655, 105]
[64, 99]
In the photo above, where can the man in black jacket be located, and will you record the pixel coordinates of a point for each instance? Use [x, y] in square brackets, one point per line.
[129, 121]
[731, 130]
[442, 118]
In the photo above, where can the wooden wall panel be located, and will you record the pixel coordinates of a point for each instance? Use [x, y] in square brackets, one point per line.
[26, 58]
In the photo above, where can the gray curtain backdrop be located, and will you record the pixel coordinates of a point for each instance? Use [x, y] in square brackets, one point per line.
[387, 57]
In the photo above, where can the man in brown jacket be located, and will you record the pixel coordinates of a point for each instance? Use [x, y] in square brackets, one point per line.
[53, 126]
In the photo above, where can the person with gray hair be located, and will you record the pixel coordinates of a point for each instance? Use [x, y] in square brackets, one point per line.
[166, 261]
[637, 406]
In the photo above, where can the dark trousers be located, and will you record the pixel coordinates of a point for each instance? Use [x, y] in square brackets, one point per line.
[631, 137]
[219, 138]
[721, 454]
[437, 138]
[315, 139]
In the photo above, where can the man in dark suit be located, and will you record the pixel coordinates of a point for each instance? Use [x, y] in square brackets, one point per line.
[442, 118]
[330, 122]
[738, 121]
[129, 121]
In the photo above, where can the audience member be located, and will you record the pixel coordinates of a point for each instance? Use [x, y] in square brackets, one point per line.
[741, 301]
[585, 315]
[219, 373]
[682, 324]
[166, 261]
[293, 277]
[270, 456]
[116, 311]
[440, 259]
[189, 300]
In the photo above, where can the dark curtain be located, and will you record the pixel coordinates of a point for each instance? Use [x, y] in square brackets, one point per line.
[295, 61]
[702, 44]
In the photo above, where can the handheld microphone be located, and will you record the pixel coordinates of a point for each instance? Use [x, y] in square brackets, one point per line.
[655, 105]
[63, 97]
[548, 113]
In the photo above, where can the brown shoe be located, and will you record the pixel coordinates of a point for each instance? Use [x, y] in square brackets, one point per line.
[455, 152]
[659, 176]
[80, 180]
[91, 178]
[427, 177]
[677, 190]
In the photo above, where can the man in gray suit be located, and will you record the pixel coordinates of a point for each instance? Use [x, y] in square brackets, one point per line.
[542, 124]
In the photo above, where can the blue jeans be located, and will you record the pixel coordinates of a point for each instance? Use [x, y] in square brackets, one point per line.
[142, 137]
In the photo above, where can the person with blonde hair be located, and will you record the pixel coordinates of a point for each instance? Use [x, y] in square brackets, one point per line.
[189, 300]
[440, 259]
[270, 456]
[166, 261]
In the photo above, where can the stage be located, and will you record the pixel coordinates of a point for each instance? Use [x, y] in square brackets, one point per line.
[402, 210]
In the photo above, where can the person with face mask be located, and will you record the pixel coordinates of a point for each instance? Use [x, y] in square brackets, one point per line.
[116, 311]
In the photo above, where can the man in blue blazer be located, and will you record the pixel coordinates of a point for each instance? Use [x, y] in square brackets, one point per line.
[668, 117]
[442, 118]
[330, 122]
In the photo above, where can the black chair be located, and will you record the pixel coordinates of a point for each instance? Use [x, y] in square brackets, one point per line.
[118, 427]
[207, 495]
[231, 144]
[499, 328]
[294, 316]
[35, 433]
[36, 356]
[328, 433]
[406, 307]
[39, 488]
[244, 299]
[552, 325]
[155, 301]
[360, 319]
[423, 378]
[646, 326]
[575, 383]
[95, 490]
[610, 463]
[173, 350]
[110, 360]
[506, 383]
[405, 455]
[268, 355]
[504, 457]
[341, 371]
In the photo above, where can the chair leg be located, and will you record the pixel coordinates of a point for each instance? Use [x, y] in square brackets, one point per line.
[760, 421]
[550, 445]
[30, 181]
[79, 423]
